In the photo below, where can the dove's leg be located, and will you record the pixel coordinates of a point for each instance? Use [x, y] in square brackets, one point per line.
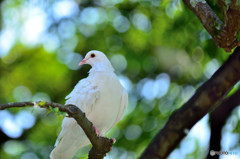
[96, 130]
[98, 133]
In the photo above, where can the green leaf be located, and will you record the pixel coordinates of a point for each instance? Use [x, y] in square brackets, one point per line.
[55, 110]
[51, 108]
[62, 114]
[48, 111]
[42, 103]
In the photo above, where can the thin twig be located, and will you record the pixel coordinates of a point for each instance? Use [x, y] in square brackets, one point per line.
[101, 145]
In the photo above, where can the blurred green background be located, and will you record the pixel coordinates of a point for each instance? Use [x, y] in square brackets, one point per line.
[159, 49]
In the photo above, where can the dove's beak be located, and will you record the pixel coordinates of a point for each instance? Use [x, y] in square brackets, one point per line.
[83, 61]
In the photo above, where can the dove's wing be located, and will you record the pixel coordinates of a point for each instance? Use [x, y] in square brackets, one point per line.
[84, 95]
[72, 137]
[124, 103]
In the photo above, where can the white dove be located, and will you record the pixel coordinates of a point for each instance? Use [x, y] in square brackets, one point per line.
[100, 96]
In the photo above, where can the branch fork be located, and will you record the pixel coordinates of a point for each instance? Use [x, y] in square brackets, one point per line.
[223, 33]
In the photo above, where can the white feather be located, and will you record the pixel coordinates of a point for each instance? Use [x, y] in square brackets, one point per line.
[101, 97]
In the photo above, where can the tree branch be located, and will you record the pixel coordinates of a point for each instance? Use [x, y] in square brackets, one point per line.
[101, 145]
[218, 118]
[205, 99]
[224, 34]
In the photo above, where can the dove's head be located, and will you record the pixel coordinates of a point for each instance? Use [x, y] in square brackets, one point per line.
[95, 57]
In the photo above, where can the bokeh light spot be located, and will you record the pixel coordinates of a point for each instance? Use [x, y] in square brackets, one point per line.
[41, 96]
[22, 93]
[24, 119]
[7, 40]
[93, 16]
[51, 43]
[121, 24]
[64, 9]
[141, 22]
[66, 29]
[133, 132]
[187, 92]
[119, 62]
[13, 147]
[34, 26]
[10, 128]
[13, 125]
[29, 155]
[155, 88]
[211, 68]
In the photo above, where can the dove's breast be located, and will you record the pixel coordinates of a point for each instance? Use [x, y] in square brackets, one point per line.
[107, 106]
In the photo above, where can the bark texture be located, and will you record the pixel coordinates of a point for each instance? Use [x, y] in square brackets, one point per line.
[223, 33]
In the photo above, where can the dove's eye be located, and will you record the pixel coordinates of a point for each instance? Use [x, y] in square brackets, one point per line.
[93, 55]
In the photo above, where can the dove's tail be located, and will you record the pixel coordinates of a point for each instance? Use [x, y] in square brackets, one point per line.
[67, 149]
[70, 140]
[67, 154]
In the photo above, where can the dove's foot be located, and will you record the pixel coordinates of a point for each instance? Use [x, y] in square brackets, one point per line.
[96, 130]
[114, 140]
